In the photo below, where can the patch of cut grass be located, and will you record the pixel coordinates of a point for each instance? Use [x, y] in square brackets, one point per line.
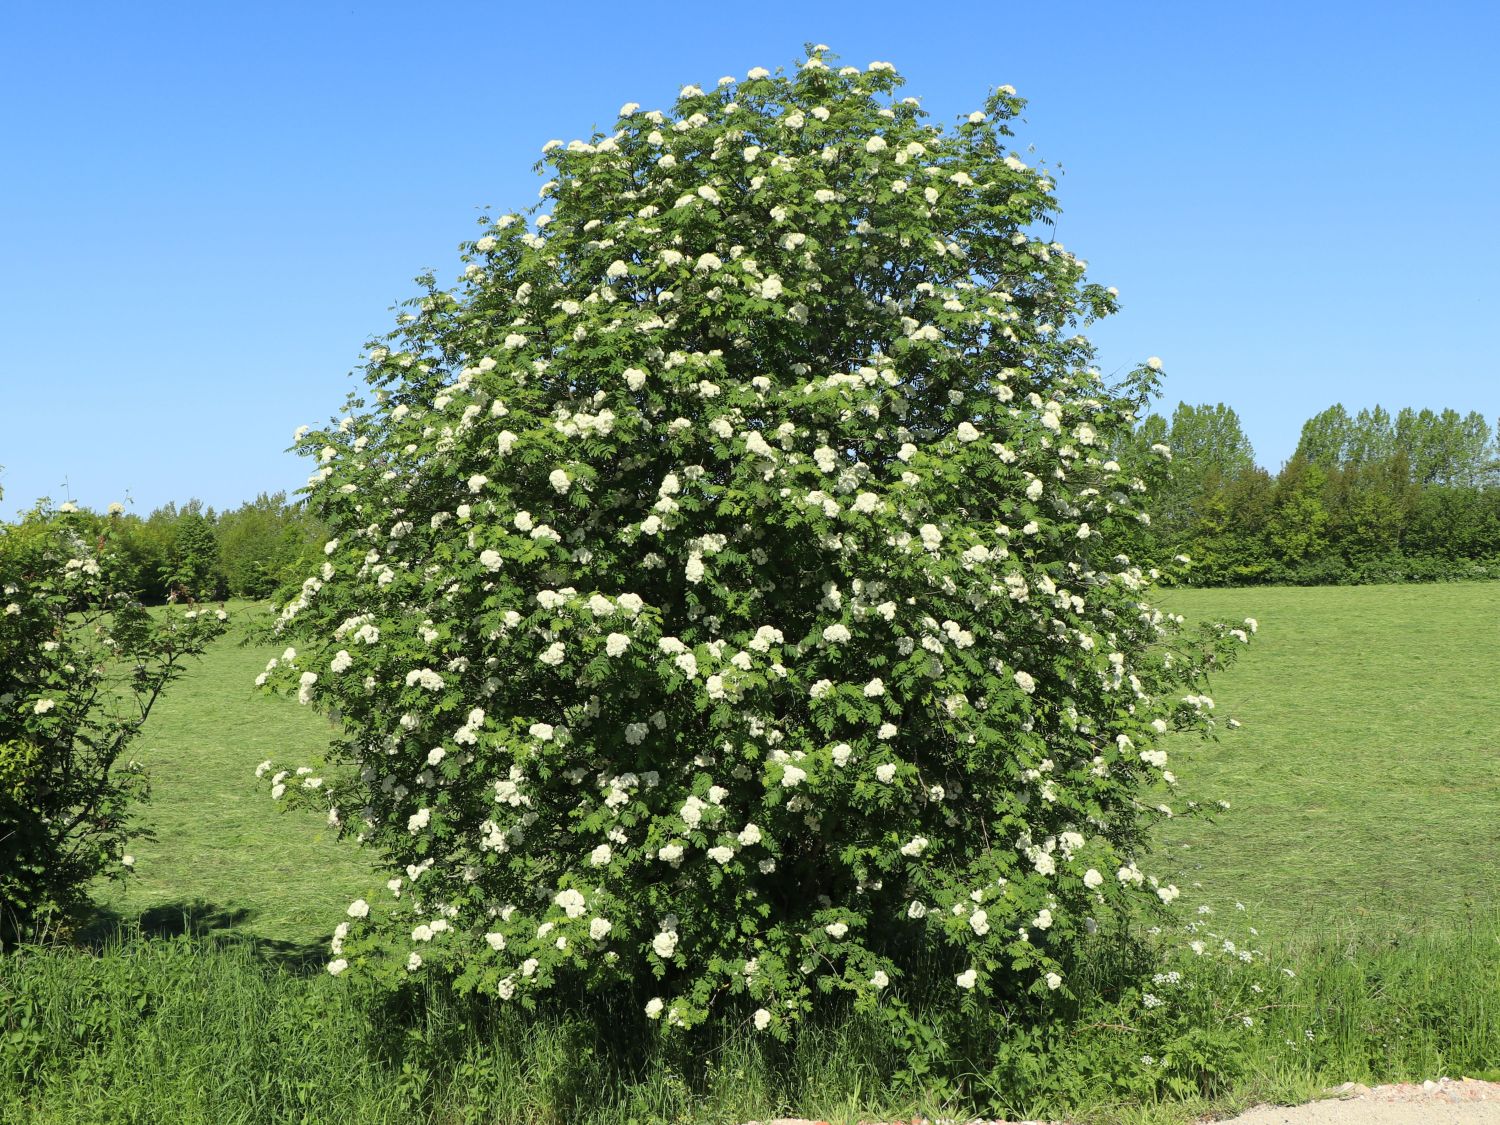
[1365, 782]
[223, 857]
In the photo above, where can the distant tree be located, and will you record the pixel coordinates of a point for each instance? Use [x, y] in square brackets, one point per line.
[1368, 503]
[1372, 437]
[1446, 447]
[1227, 539]
[1454, 523]
[1208, 442]
[1297, 527]
[1326, 438]
[265, 543]
[1153, 430]
[1366, 497]
[195, 570]
[1210, 453]
[1243, 553]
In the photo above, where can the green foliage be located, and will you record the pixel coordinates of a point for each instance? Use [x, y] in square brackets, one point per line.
[1209, 447]
[1298, 522]
[726, 605]
[1200, 495]
[1446, 449]
[168, 556]
[267, 544]
[1368, 498]
[213, 1032]
[255, 551]
[1327, 437]
[194, 573]
[1368, 506]
[81, 665]
[1443, 448]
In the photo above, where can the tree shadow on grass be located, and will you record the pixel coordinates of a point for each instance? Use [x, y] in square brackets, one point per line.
[207, 923]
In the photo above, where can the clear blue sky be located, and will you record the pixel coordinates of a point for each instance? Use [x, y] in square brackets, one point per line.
[206, 209]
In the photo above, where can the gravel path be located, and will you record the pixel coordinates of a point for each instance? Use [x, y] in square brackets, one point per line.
[1444, 1102]
[1447, 1101]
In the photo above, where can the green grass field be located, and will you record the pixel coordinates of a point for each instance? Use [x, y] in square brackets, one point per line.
[1364, 837]
[1365, 782]
[223, 853]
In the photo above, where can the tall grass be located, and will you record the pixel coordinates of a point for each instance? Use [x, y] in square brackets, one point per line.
[212, 1030]
[208, 1030]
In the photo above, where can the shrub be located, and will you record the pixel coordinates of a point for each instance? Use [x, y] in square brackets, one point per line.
[725, 599]
[81, 665]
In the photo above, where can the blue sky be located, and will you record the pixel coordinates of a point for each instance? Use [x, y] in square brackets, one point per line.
[206, 209]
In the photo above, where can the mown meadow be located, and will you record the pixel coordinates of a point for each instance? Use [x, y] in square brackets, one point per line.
[1362, 844]
[1365, 780]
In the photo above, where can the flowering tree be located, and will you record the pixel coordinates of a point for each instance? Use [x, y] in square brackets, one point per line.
[81, 664]
[726, 597]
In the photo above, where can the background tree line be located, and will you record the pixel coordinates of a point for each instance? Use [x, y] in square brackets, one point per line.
[1370, 497]
[192, 552]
